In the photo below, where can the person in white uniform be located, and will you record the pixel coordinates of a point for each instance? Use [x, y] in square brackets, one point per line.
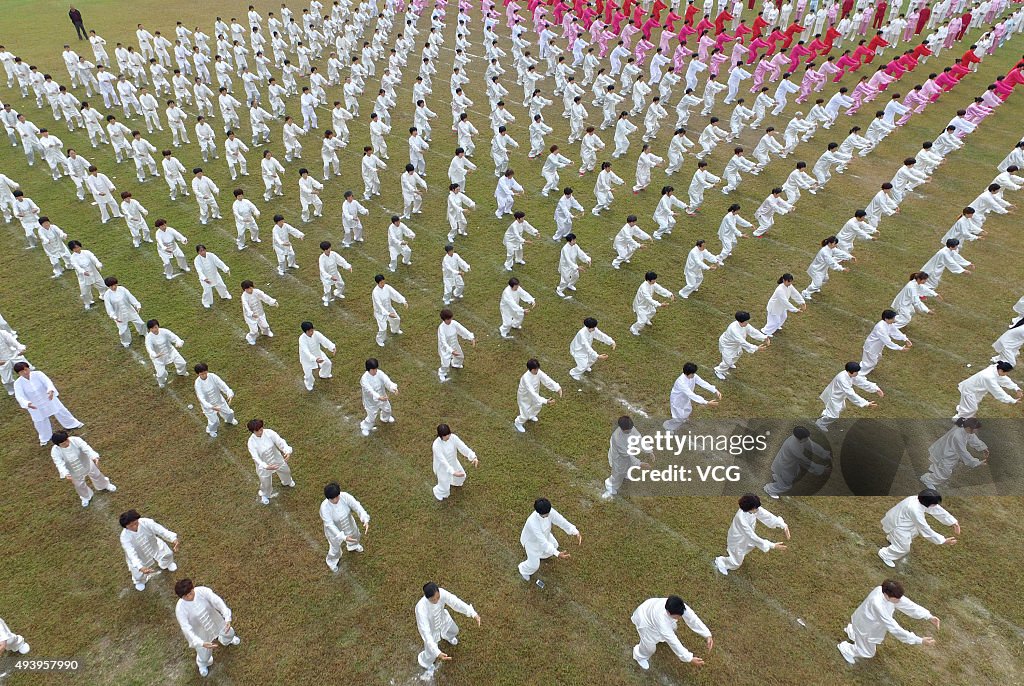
[314, 351]
[449, 331]
[684, 394]
[87, 268]
[76, 461]
[162, 346]
[124, 309]
[793, 458]
[742, 537]
[208, 268]
[449, 471]
[622, 451]
[203, 616]
[214, 397]
[338, 512]
[951, 449]
[254, 313]
[993, 380]
[656, 620]
[146, 549]
[906, 520]
[873, 620]
[841, 389]
[537, 539]
[883, 335]
[383, 297]
[376, 389]
[528, 396]
[10, 641]
[271, 453]
[582, 348]
[435, 624]
[645, 304]
[37, 395]
[733, 343]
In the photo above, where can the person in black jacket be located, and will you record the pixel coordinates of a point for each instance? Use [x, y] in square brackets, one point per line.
[76, 19]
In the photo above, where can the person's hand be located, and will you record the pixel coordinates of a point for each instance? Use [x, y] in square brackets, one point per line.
[459, 474]
[786, 530]
[444, 656]
[602, 357]
[563, 555]
[477, 618]
[881, 393]
[697, 662]
[406, 307]
[949, 541]
[31, 406]
[872, 404]
[937, 622]
[956, 527]
[176, 544]
[579, 539]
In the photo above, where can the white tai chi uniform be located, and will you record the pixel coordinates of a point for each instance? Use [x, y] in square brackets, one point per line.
[162, 351]
[528, 395]
[512, 311]
[448, 347]
[538, 541]
[311, 349]
[255, 315]
[435, 623]
[697, 262]
[205, 192]
[15, 642]
[203, 619]
[950, 450]
[384, 311]
[791, 458]
[627, 242]
[655, 625]
[452, 269]
[779, 307]
[838, 391]
[906, 521]
[214, 399]
[35, 390]
[882, 336]
[446, 464]
[146, 548]
[733, 343]
[340, 526]
[582, 350]
[974, 388]
[645, 305]
[682, 397]
[270, 452]
[874, 619]
[78, 461]
[374, 389]
[619, 459]
[742, 537]
[123, 308]
[10, 353]
[208, 269]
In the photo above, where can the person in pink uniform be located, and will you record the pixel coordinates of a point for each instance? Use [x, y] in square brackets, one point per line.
[811, 78]
[717, 60]
[777, 66]
[758, 43]
[827, 70]
[759, 73]
[858, 94]
[846, 64]
[799, 50]
[704, 46]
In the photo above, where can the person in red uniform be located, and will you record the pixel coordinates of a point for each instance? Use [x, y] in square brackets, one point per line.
[791, 32]
[965, 23]
[759, 25]
[691, 12]
[970, 57]
[720, 21]
[922, 19]
[847, 8]
[879, 14]
[876, 44]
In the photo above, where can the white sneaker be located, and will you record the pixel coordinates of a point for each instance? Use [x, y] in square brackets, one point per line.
[721, 570]
[204, 671]
[265, 500]
[521, 429]
[24, 649]
[172, 567]
[363, 431]
[525, 578]
[85, 502]
[111, 488]
[644, 664]
[140, 587]
[888, 563]
[607, 496]
[235, 641]
[332, 567]
[454, 641]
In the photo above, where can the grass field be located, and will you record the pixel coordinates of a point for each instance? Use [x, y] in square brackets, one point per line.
[64, 583]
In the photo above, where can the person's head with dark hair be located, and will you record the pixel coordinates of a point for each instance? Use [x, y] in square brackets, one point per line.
[20, 367]
[185, 589]
[128, 519]
[892, 590]
[590, 323]
[852, 368]
[332, 491]
[255, 426]
[651, 276]
[532, 365]
[689, 369]
[625, 423]
[801, 432]
[201, 368]
[542, 506]
[431, 592]
[749, 502]
[59, 437]
[1003, 367]
[743, 317]
[929, 497]
[675, 606]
